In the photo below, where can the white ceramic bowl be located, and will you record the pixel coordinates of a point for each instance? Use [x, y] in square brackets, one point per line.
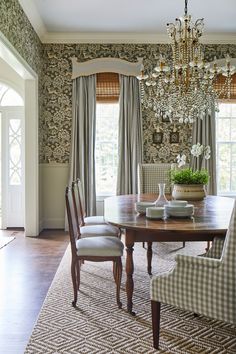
[141, 207]
[178, 203]
[155, 212]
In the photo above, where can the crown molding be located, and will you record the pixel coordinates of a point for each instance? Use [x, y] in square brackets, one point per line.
[149, 38]
[31, 12]
[103, 37]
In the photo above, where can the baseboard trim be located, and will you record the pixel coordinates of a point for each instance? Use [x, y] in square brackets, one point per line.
[54, 223]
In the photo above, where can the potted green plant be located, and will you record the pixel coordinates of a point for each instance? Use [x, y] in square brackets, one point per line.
[189, 184]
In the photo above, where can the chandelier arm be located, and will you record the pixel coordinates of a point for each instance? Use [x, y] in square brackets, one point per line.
[184, 88]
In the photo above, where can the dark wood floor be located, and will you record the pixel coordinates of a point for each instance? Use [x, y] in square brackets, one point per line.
[27, 268]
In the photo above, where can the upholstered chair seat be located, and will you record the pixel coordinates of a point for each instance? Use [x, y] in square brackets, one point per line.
[92, 225]
[99, 230]
[100, 246]
[94, 220]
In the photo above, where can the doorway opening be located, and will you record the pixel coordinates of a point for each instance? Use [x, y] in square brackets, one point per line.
[11, 158]
[29, 128]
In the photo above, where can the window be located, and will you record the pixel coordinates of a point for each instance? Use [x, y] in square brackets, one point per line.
[9, 97]
[226, 149]
[107, 114]
[106, 148]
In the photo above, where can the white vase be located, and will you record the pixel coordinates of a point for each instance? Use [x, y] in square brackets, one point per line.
[189, 191]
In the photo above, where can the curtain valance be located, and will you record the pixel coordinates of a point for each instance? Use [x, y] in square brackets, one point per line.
[103, 65]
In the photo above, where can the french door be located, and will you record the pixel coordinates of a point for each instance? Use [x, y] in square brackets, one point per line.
[12, 167]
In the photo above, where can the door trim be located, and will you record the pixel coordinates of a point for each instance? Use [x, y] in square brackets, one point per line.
[9, 54]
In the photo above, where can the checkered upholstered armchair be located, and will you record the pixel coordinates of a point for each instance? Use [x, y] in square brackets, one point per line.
[150, 174]
[202, 285]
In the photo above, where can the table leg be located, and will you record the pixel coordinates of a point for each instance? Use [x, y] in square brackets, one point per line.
[129, 274]
[149, 258]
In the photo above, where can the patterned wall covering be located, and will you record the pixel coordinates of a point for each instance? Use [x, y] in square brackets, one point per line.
[57, 92]
[17, 29]
[52, 62]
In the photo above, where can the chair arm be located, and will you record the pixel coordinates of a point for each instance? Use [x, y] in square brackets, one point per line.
[215, 251]
[197, 261]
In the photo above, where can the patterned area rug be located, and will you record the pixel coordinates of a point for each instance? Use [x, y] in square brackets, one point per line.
[98, 326]
[4, 240]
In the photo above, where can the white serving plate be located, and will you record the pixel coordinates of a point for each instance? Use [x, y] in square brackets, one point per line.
[180, 212]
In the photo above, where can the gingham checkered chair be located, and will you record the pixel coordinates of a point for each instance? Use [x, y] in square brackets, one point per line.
[216, 249]
[202, 285]
[149, 175]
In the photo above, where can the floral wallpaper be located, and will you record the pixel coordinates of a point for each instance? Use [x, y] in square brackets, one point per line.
[52, 62]
[17, 29]
[162, 140]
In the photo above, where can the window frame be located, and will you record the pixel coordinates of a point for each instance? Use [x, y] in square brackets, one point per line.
[101, 195]
[228, 142]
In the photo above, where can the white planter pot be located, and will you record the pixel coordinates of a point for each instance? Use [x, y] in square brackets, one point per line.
[189, 191]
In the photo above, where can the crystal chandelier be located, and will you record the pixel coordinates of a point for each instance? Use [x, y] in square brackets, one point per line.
[185, 89]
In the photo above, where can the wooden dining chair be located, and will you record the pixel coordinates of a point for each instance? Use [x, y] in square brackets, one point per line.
[84, 226]
[85, 220]
[94, 249]
[202, 285]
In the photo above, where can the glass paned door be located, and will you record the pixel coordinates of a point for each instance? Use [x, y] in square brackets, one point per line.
[12, 167]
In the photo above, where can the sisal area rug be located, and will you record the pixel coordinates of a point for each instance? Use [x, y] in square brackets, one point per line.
[98, 326]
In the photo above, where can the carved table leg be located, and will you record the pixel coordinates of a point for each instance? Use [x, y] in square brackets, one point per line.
[149, 258]
[129, 272]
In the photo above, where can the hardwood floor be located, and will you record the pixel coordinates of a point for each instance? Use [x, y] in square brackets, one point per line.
[27, 268]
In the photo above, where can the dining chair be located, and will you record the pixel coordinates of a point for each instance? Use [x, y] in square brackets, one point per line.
[84, 227]
[149, 176]
[204, 286]
[86, 220]
[95, 249]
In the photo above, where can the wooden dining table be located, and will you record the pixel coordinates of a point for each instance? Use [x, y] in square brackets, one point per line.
[211, 218]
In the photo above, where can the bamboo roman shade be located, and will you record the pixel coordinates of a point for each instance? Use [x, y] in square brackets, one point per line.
[108, 87]
[220, 82]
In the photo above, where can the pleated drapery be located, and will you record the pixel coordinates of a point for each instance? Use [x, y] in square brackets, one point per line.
[82, 157]
[130, 135]
[204, 132]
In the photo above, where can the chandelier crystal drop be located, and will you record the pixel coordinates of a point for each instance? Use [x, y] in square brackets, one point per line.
[185, 89]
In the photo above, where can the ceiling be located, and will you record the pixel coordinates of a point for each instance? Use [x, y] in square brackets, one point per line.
[125, 20]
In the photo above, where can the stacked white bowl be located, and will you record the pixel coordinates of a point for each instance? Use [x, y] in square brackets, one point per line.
[141, 207]
[179, 208]
[155, 212]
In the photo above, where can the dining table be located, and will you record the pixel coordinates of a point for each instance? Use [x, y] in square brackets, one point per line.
[211, 218]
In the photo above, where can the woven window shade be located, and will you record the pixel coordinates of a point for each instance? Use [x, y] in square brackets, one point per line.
[108, 87]
[220, 82]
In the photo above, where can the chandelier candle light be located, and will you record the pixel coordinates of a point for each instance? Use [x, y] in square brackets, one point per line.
[184, 89]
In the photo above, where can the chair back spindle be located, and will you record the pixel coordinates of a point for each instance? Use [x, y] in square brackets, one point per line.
[72, 220]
